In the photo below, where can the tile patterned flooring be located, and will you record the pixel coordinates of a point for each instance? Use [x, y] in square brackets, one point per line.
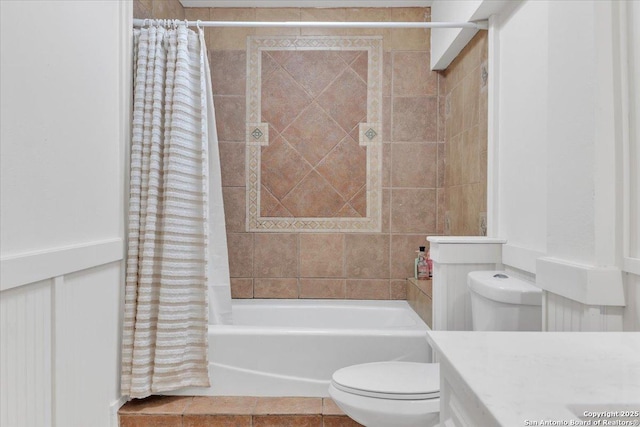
[223, 411]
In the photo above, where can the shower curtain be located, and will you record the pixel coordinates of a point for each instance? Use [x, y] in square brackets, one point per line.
[177, 278]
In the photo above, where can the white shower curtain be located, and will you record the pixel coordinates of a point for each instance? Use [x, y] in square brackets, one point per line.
[177, 270]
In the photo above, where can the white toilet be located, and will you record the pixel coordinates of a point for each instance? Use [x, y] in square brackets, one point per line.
[389, 394]
[406, 394]
[500, 302]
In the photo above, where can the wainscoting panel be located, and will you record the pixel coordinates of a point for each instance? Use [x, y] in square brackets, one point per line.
[25, 359]
[632, 295]
[86, 343]
[60, 337]
[566, 315]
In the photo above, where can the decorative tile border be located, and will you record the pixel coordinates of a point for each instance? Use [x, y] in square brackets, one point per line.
[370, 134]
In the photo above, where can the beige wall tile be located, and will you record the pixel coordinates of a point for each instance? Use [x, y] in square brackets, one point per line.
[232, 164]
[146, 3]
[414, 165]
[141, 11]
[413, 210]
[241, 288]
[441, 165]
[230, 117]
[412, 75]
[368, 289]
[471, 98]
[228, 72]
[387, 73]
[367, 256]
[398, 289]
[322, 288]
[387, 158]
[403, 254]
[277, 14]
[275, 288]
[387, 124]
[413, 119]
[234, 208]
[407, 38]
[276, 255]
[441, 194]
[321, 255]
[230, 38]
[240, 247]
[162, 9]
[196, 13]
[386, 210]
[323, 14]
[367, 15]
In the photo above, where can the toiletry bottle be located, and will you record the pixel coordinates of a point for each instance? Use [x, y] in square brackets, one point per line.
[415, 264]
[423, 266]
[430, 264]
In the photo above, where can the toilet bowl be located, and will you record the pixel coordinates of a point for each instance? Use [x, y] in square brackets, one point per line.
[389, 394]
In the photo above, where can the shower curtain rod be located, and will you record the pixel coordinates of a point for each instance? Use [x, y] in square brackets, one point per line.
[480, 25]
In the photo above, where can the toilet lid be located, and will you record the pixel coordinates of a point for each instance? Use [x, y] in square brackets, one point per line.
[390, 380]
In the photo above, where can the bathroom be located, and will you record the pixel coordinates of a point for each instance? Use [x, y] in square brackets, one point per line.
[548, 163]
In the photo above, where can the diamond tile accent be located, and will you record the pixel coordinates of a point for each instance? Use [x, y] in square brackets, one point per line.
[369, 134]
[257, 133]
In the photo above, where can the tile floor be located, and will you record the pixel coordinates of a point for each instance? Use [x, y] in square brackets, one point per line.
[222, 411]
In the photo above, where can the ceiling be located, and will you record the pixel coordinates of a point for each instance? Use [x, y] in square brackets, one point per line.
[306, 3]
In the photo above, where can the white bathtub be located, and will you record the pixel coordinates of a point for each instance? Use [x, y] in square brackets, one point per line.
[292, 347]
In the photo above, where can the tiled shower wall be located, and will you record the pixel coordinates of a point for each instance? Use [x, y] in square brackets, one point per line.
[465, 94]
[158, 9]
[336, 265]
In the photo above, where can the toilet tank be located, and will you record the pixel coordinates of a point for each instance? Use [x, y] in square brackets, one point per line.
[501, 302]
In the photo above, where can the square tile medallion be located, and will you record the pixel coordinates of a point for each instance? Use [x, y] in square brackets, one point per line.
[314, 134]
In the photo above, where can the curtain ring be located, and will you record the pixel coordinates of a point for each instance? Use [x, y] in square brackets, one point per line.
[198, 24]
[186, 23]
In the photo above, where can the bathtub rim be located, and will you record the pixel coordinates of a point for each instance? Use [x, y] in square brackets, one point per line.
[419, 325]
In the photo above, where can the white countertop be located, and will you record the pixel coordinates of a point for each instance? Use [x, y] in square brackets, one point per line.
[520, 376]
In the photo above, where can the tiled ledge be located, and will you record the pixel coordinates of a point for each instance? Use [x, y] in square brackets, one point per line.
[241, 411]
[419, 297]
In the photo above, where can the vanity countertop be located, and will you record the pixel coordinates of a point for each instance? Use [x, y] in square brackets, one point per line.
[524, 378]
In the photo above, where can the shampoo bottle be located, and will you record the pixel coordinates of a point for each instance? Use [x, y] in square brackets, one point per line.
[423, 266]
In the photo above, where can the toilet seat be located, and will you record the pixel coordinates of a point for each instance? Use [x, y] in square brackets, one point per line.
[390, 380]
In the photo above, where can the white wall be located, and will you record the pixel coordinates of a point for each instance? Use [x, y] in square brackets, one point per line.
[562, 197]
[522, 127]
[64, 111]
